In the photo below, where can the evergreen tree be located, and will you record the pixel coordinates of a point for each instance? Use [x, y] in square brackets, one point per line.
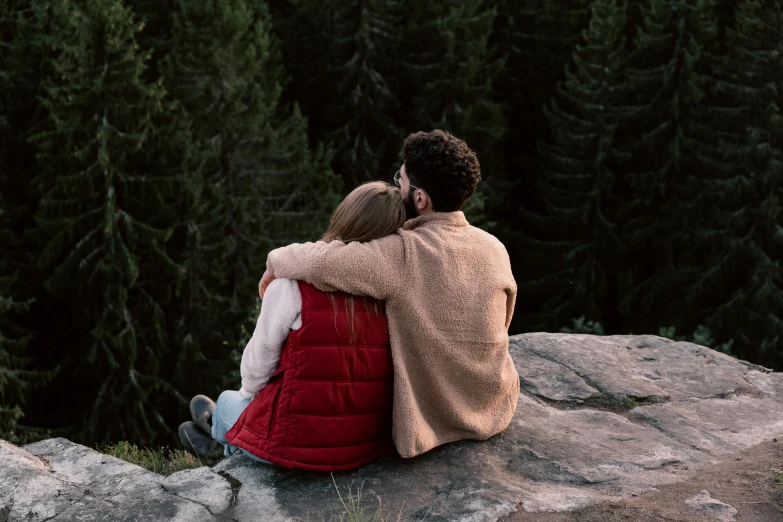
[448, 69]
[155, 18]
[19, 375]
[732, 218]
[342, 55]
[579, 249]
[251, 182]
[15, 375]
[102, 213]
[369, 73]
[15, 378]
[536, 39]
[656, 124]
[724, 10]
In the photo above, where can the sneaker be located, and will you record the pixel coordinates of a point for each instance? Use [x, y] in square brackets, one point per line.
[196, 442]
[201, 409]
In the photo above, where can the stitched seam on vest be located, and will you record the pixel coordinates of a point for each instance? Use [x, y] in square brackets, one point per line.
[306, 308]
[365, 381]
[291, 381]
[337, 414]
[373, 441]
[330, 309]
[351, 346]
[296, 464]
[246, 427]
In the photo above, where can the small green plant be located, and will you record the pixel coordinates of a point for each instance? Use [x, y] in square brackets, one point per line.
[163, 461]
[778, 477]
[629, 403]
[615, 402]
[583, 326]
[701, 336]
[354, 511]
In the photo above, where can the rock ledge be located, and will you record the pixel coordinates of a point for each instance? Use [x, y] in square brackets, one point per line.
[599, 419]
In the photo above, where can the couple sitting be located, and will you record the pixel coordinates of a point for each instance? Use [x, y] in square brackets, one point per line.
[331, 380]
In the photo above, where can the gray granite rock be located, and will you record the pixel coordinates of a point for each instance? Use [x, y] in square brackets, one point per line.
[549, 379]
[703, 504]
[28, 489]
[57, 480]
[641, 366]
[598, 419]
[202, 486]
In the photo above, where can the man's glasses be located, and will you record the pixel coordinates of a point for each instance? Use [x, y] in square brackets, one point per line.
[398, 180]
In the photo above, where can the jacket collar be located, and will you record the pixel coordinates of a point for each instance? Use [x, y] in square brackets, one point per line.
[454, 219]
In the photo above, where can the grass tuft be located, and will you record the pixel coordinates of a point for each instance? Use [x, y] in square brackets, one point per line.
[354, 511]
[163, 461]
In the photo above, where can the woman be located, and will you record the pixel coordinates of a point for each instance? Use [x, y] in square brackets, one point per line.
[317, 373]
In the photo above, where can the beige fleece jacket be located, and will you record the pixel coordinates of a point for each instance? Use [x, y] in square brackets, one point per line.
[449, 296]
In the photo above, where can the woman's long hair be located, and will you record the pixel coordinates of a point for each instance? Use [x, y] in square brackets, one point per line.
[371, 211]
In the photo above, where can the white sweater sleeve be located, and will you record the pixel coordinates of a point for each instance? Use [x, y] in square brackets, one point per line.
[281, 312]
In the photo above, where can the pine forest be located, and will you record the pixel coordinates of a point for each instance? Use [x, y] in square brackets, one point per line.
[152, 152]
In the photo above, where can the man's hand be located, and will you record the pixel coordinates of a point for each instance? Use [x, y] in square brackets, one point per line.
[267, 278]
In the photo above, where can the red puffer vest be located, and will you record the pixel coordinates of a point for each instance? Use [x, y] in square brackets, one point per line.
[328, 405]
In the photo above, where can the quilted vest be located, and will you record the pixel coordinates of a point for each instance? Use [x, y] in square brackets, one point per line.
[328, 406]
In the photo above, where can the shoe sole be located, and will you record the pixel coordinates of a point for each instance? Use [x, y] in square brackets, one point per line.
[202, 415]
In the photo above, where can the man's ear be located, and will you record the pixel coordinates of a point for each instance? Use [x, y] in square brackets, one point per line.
[421, 199]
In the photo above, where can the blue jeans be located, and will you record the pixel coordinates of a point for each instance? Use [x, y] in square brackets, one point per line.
[228, 408]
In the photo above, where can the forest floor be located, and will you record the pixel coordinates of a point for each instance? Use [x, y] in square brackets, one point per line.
[751, 482]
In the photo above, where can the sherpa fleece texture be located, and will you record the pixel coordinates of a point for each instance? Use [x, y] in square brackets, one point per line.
[449, 295]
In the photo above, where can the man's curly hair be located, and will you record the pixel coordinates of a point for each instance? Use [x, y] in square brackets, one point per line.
[443, 166]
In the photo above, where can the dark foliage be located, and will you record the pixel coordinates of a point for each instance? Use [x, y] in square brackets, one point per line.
[575, 240]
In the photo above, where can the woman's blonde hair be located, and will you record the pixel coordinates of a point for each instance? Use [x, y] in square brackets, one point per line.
[371, 211]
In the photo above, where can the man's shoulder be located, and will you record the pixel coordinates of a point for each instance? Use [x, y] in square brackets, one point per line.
[484, 237]
[467, 233]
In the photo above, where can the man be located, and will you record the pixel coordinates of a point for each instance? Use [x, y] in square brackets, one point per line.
[449, 296]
